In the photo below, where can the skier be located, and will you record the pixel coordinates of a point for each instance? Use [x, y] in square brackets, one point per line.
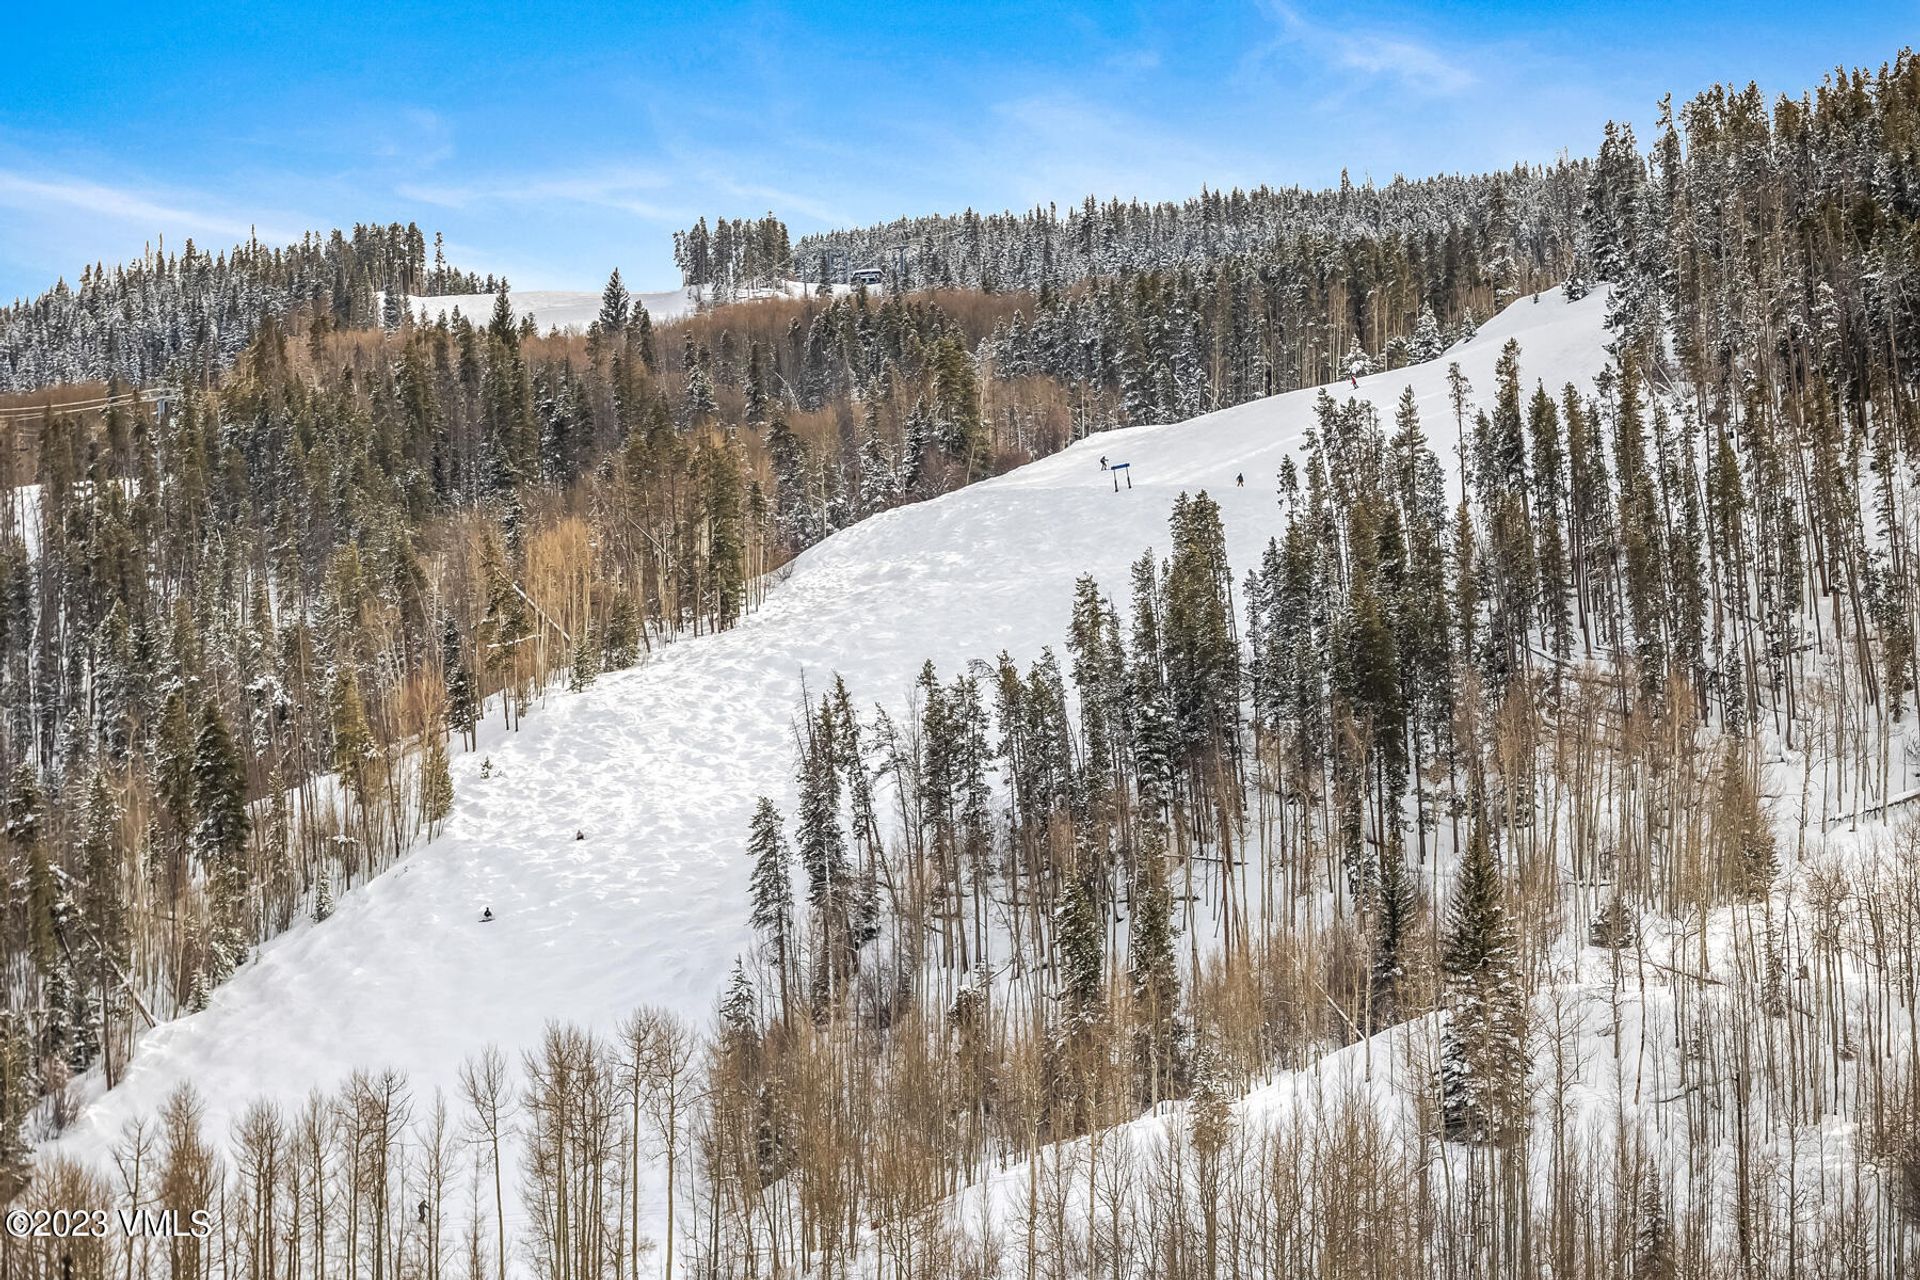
[1103, 462]
[1356, 381]
[486, 916]
[423, 1213]
[1240, 481]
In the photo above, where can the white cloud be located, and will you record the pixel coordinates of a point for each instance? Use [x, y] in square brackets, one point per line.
[1061, 146]
[1418, 66]
[1414, 65]
[617, 187]
[37, 194]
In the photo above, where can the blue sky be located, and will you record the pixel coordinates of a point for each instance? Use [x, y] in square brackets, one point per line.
[552, 148]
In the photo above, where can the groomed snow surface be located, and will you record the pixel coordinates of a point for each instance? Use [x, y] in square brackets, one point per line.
[568, 310]
[659, 766]
[571, 310]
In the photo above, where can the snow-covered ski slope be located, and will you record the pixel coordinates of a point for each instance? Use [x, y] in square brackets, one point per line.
[572, 310]
[564, 309]
[659, 766]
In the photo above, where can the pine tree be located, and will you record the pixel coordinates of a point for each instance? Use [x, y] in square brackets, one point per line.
[738, 1014]
[1201, 650]
[219, 794]
[323, 895]
[725, 581]
[220, 841]
[103, 942]
[1152, 967]
[1466, 587]
[1427, 344]
[822, 852]
[1484, 1061]
[879, 477]
[1095, 678]
[19, 1090]
[25, 813]
[1209, 1102]
[1396, 907]
[614, 305]
[755, 407]
[1080, 956]
[436, 780]
[1549, 512]
[1640, 535]
[1503, 273]
[771, 888]
[1653, 1251]
[507, 622]
[623, 633]
[463, 700]
[353, 749]
[173, 748]
[583, 666]
[700, 402]
[1613, 926]
[957, 403]
[1209, 1129]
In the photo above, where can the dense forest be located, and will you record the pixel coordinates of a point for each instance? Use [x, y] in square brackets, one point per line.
[239, 638]
[186, 315]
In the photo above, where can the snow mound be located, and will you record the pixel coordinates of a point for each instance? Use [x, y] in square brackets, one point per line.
[572, 310]
[565, 309]
[659, 766]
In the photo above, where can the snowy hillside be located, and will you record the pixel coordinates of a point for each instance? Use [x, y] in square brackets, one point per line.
[657, 767]
[573, 310]
[564, 309]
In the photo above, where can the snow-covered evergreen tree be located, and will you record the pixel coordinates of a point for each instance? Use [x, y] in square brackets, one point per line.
[1484, 1058]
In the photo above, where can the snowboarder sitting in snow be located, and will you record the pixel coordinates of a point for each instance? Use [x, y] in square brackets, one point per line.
[486, 916]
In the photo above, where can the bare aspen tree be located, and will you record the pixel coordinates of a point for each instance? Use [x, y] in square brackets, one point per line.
[488, 1093]
[665, 1061]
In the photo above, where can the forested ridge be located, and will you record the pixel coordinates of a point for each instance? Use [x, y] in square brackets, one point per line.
[186, 315]
[1201, 847]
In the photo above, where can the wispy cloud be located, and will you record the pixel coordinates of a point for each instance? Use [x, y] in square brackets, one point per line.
[420, 135]
[1416, 65]
[40, 193]
[1372, 54]
[1061, 145]
[625, 188]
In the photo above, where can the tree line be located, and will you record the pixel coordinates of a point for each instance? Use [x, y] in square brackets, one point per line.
[186, 315]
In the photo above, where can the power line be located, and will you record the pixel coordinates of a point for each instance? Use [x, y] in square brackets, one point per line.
[157, 395]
